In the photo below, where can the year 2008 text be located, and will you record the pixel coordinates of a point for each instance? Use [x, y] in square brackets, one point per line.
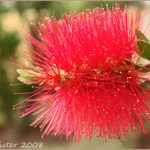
[26, 145]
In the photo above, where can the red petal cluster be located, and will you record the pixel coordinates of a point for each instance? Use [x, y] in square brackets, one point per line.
[84, 76]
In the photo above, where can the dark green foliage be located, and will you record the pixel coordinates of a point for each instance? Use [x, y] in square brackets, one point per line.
[146, 85]
[8, 44]
[144, 48]
[141, 36]
[143, 45]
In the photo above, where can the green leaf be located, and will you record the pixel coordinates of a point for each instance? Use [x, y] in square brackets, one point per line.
[141, 36]
[144, 48]
[24, 72]
[143, 45]
[146, 85]
[24, 76]
[144, 68]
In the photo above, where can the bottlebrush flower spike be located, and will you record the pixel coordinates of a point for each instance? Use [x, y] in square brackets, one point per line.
[85, 75]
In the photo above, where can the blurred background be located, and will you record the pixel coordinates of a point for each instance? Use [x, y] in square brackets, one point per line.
[15, 17]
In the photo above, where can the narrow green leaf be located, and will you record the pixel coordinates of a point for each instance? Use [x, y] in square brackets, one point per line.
[24, 76]
[146, 85]
[24, 72]
[144, 68]
[144, 48]
[141, 36]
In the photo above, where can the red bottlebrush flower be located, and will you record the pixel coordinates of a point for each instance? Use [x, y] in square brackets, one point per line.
[84, 71]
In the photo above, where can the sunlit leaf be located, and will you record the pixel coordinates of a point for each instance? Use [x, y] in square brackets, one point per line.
[24, 76]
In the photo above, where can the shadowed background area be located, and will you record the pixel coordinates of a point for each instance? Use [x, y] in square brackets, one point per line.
[15, 17]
